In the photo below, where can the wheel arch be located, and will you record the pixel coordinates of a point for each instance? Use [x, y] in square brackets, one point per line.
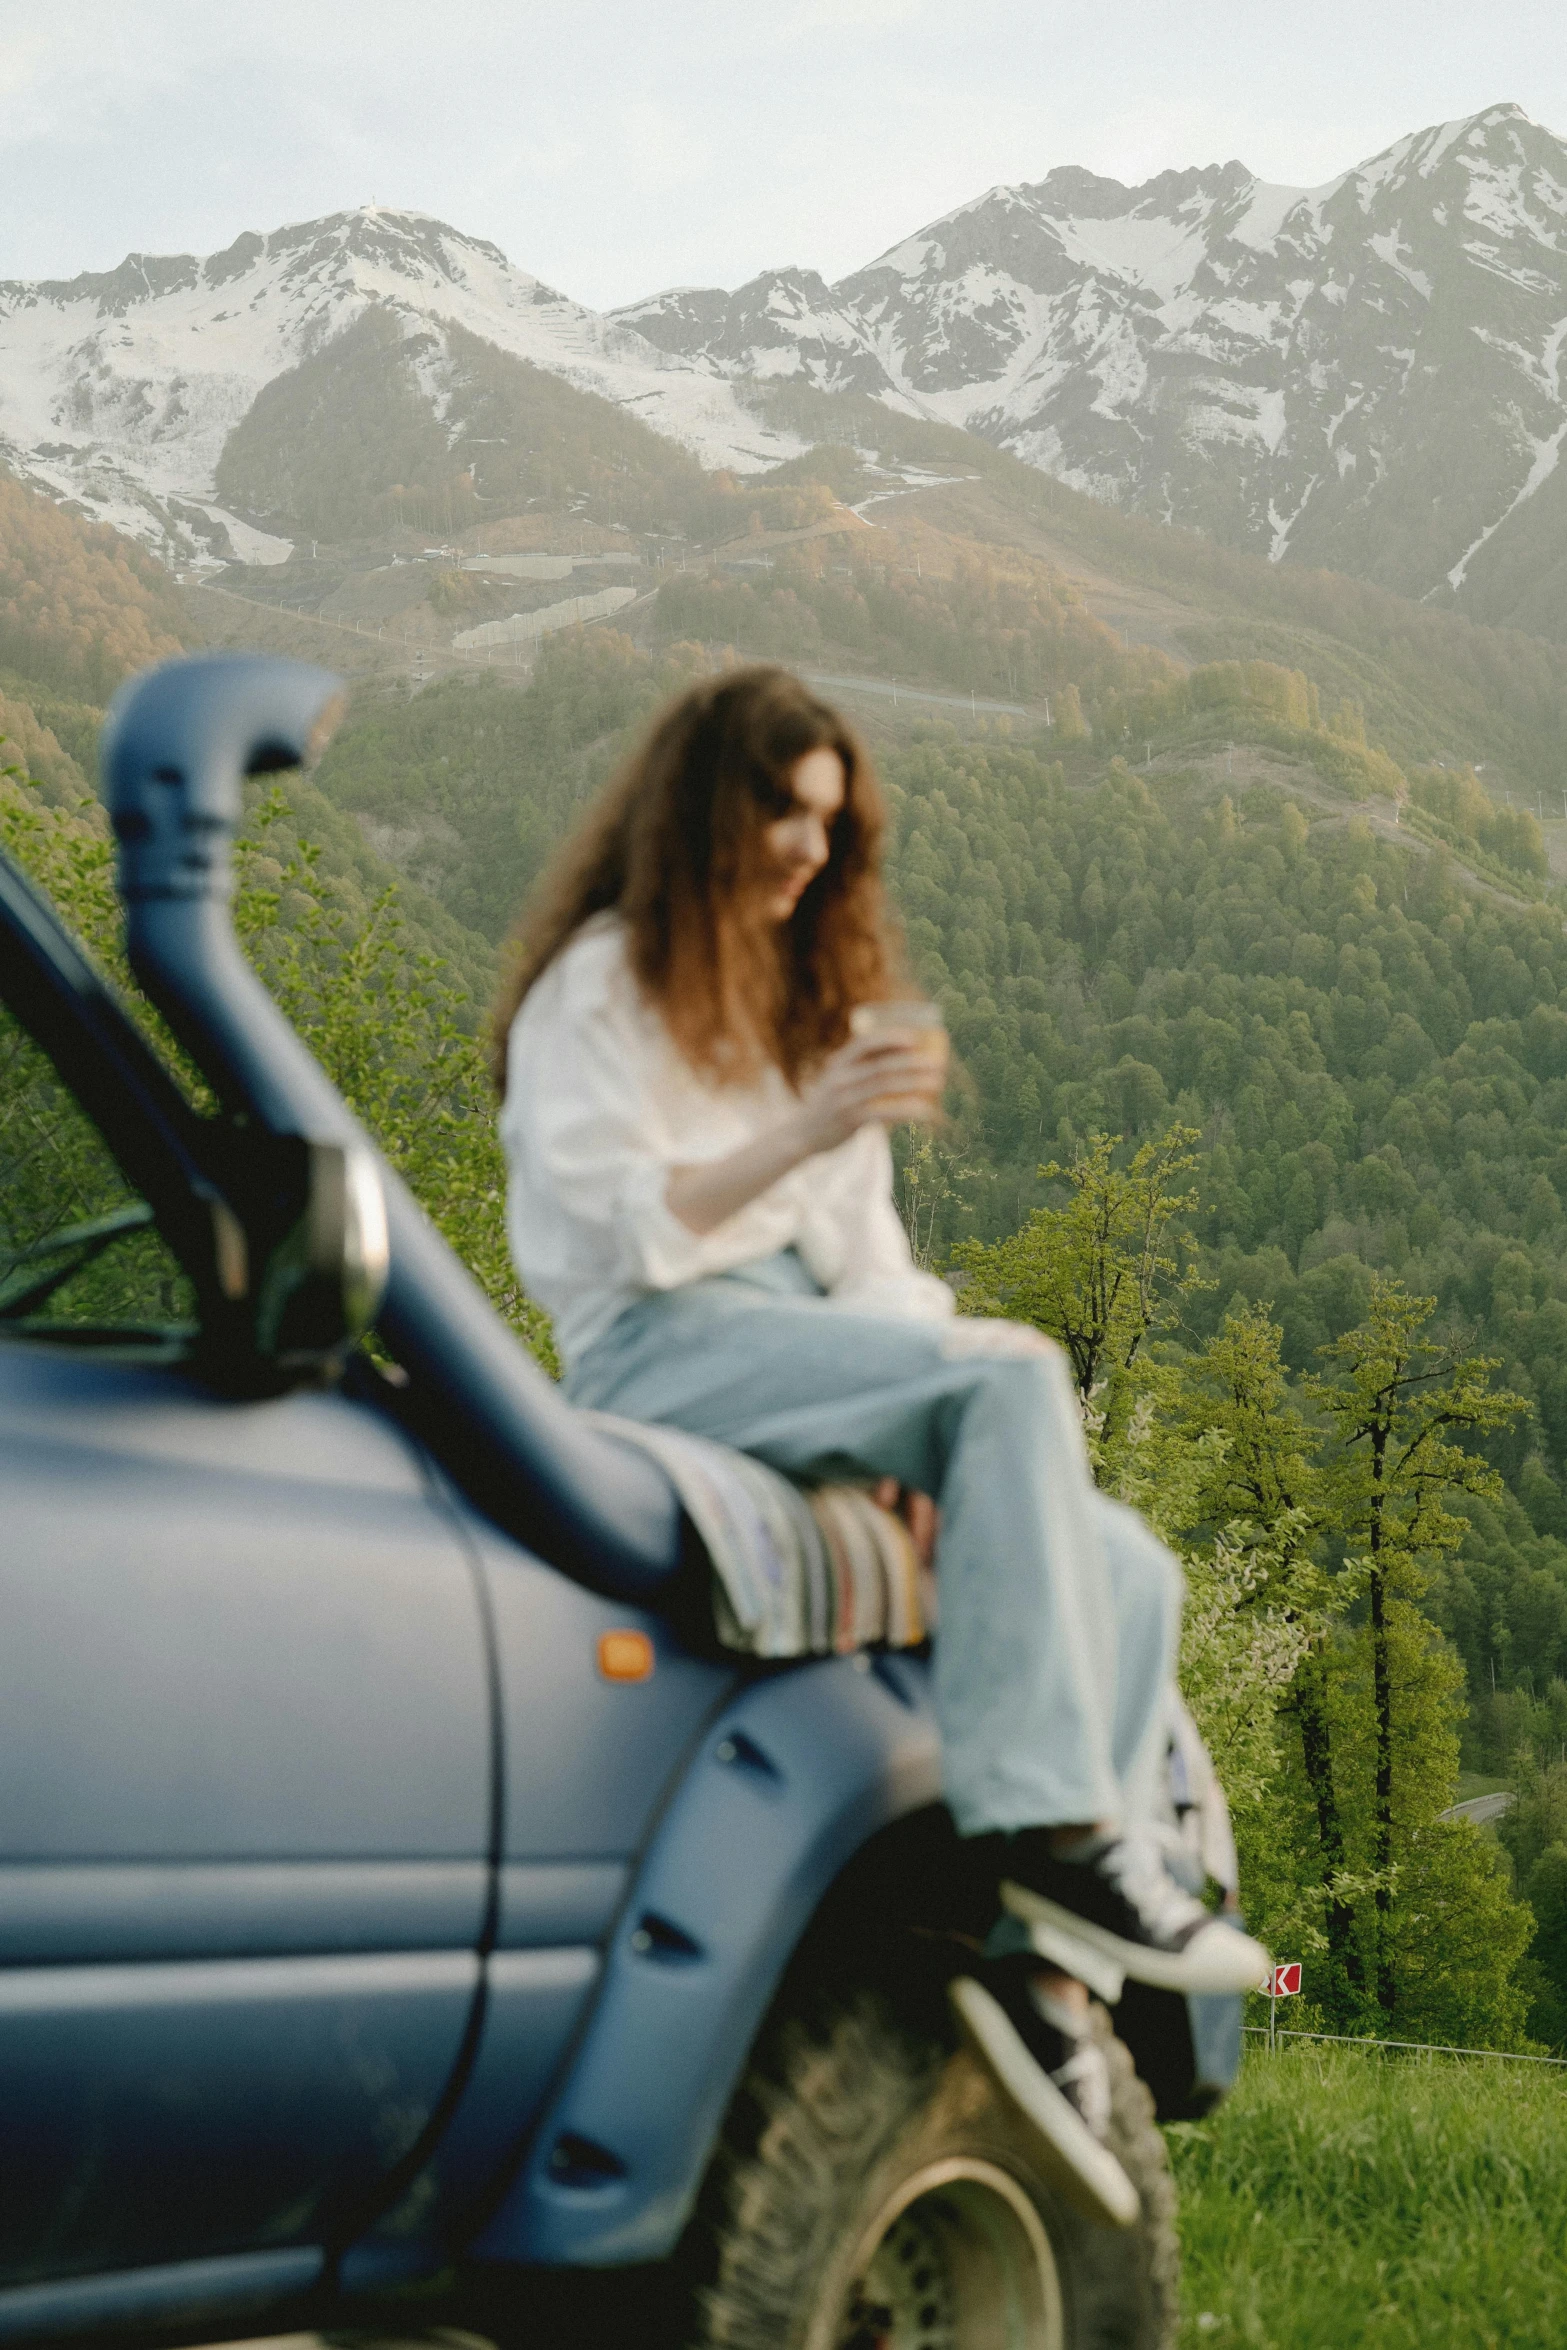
[791, 1782]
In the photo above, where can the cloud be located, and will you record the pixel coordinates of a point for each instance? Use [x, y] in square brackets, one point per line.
[840, 17]
[612, 147]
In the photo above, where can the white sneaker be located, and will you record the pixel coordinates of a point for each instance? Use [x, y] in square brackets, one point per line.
[1054, 2081]
[1119, 1912]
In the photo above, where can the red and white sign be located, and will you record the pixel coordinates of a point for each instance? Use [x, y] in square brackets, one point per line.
[1284, 1982]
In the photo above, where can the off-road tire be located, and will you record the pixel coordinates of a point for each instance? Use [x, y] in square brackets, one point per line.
[872, 2192]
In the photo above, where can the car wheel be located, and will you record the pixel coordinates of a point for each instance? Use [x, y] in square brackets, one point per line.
[872, 2192]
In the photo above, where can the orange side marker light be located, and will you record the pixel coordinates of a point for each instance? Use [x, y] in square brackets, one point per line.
[626, 1656]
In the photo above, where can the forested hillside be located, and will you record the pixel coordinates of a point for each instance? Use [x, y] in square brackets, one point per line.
[79, 606]
[470, 784]
[348, 442]
[442, 431]
[1374, 1055]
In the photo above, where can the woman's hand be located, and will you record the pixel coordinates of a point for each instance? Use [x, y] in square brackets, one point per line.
[918, 1512]
[871, 1079]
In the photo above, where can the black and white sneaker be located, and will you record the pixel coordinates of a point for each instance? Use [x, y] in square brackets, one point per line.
[1056, 2078]
[1116, 1911]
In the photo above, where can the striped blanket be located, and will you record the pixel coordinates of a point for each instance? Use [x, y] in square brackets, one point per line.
[797, 1570]
[821, 1570]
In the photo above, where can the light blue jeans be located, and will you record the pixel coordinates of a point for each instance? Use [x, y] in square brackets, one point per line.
[1060, 1611]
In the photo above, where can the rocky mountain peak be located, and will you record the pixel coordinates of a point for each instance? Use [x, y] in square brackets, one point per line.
[382, 241]
[1071, 194]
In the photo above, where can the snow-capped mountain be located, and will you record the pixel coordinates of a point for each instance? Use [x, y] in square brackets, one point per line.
[1367, 375]
[119, 390]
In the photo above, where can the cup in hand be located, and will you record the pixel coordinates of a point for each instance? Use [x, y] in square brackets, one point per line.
[916, 1026]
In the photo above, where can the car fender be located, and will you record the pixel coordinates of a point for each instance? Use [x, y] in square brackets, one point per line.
[800, 1768]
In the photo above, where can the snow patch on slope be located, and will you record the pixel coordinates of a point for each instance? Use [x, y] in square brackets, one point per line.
[1389, 247]
[1159, 255]
[1545, 454]
[1268, 208]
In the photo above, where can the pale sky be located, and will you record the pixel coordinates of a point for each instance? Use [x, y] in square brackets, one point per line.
[616, 147]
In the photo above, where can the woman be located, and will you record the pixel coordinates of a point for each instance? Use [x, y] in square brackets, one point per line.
[701, 1194]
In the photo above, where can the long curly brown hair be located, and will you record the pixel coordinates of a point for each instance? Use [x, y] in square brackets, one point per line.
[674, 845]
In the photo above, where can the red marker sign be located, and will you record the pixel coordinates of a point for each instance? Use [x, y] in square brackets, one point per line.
[1284, 1982]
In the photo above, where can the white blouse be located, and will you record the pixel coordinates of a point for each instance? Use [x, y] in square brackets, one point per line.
[601, 1105]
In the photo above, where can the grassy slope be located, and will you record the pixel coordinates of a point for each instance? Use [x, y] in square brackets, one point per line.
[1344, 2199]
[1432, 686]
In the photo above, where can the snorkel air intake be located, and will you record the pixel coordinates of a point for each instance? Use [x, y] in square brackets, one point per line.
[178, 745]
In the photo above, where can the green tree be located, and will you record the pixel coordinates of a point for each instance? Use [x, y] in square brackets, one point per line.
[1397, 1401]
[1102, 1275]
[930, 1173]
[1546, 1890]
[1533, 1833]
[1337, 1738]
[1265, 1472]
[1442, 1950]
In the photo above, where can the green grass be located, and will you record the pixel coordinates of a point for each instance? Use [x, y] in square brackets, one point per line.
[1472, 1783]
[1344, 2198]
